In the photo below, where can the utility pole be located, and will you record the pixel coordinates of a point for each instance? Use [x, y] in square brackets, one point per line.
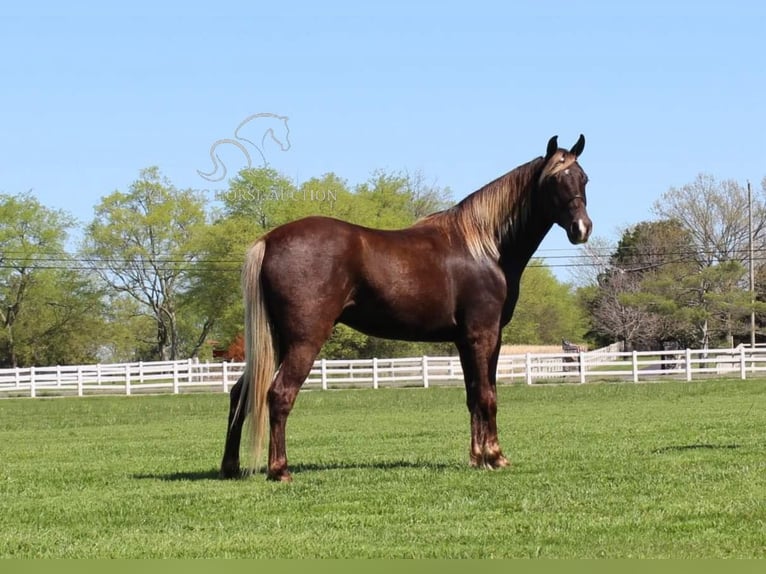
[752, 275]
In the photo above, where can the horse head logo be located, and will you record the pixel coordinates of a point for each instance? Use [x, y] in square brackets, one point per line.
[278, 131]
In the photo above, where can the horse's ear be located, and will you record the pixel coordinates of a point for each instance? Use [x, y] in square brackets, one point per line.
[552, 147]
[578, 147]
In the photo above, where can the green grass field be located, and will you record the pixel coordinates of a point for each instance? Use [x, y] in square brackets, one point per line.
[600, 470]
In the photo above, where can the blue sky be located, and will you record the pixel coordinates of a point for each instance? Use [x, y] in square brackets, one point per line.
[463, 92]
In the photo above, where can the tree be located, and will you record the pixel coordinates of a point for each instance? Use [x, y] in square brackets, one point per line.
[62, 321]
[50, 311]
[646, 251]
[705, 305]
[612, 317]
[141, 244]
[547, 310]
[650, 245]
[130, 331]
[714, 214]
[594, 260]
[396, 200]
[660, 288]
[214, 282]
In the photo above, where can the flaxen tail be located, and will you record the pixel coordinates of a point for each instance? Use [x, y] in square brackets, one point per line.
[260, 353]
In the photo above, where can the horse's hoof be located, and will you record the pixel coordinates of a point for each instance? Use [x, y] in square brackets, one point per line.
[279, 476]
[229, 471]
[499, 462]
[489, 462]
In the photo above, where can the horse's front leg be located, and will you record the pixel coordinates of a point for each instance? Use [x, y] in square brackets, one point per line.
[479, 357]
[493, 454]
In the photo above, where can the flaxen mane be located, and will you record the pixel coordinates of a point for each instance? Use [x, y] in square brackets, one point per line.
[495, 212]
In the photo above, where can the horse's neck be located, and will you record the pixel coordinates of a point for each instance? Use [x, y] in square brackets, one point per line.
[517, 250]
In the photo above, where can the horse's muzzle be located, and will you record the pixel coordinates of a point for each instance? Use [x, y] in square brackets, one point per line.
[579, 230]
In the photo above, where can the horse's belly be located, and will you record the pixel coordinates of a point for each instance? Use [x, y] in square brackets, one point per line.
[411, 324]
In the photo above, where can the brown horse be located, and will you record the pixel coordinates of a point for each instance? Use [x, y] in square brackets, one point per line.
[453, 276]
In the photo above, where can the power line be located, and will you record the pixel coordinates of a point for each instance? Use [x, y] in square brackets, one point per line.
[57, 260]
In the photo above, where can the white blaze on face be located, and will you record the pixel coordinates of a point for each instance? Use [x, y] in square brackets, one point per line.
[579, 230]
[582, 228]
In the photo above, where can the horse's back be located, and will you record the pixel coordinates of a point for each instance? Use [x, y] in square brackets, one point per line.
[324, 237]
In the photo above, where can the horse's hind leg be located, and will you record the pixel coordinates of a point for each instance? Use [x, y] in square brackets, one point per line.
[295, 368]
[230, 463]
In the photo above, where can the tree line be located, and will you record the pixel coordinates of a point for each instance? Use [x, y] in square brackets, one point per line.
[683, 279]
[156, 274]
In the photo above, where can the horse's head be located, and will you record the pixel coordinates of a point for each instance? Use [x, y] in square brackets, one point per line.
[562, 188]
[282, 136]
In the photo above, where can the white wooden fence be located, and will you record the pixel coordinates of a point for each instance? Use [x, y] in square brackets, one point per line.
[530, 368]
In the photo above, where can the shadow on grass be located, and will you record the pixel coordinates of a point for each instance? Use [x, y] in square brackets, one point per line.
[180, 476]
[696, 446]
[213, 474]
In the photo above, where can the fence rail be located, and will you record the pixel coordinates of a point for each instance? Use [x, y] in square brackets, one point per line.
[530, 368]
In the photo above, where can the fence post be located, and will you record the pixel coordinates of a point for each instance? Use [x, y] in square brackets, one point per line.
[634, 360]
[140, 372]
[225, 376]
[374, 372]
[582, 368]
[424, 364]
[32, 383]
[58, 376]
[18, 378]
[175, 378]
[127, 380]
[742, 369]
[688, 365]
[323, 372]
[79, 381]
[528, 366]
[98, 374]
[189, 371]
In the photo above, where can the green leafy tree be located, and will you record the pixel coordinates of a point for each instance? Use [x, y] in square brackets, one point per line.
[141, 244]
[617, 310]
[547, 310]
[130, 331]
[396, 200]
[710, 305]
[50, 311]
[214, 282]
[62, 321]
